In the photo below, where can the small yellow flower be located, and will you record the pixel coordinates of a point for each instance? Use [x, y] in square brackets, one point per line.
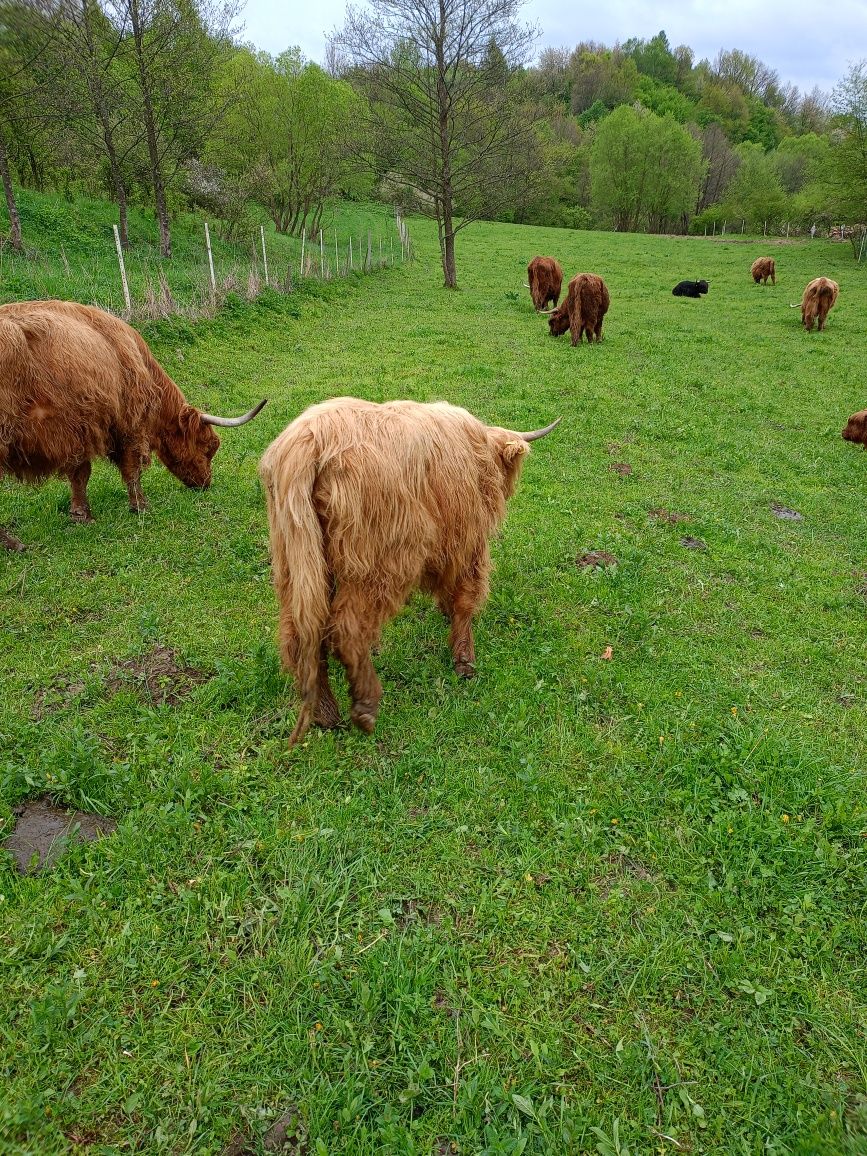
[661, 739]
[731, 829]
[734, 712]
[529, 877]
[785, 818]
[317, 1027]
[614, 822]
[155, 983]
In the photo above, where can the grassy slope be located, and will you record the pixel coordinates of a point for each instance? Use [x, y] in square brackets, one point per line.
[70, 251]
[573, 900]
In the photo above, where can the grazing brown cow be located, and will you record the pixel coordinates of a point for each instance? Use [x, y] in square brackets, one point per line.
[855, 429]
[584, 309]
[763, 268]
[366, 503]
[77, 384]
[819, 297]
[545, 279]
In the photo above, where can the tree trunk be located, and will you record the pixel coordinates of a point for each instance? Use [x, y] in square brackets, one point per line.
[11, 204]
[447, 245]
[151, 133]
[448, 248]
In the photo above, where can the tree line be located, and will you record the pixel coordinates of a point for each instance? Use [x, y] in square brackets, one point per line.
[430, 104]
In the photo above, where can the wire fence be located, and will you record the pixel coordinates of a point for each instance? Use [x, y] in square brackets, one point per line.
[139, 285]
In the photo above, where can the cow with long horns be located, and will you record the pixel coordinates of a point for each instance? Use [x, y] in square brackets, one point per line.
[366, 503]
[76, 384]
[544, 280]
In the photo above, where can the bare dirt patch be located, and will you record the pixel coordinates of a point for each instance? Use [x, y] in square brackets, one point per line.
[595, 560]
[781, 511]
[620, 869]
[57, 696]
[622, 468]
[159, 677]
[691, 543]
[42, 832]
[660, 514]
[287, 1135]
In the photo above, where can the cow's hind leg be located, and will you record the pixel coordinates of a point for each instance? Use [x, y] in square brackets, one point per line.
[79, 507]
[356, 622]
[318, 704]
[459, 604]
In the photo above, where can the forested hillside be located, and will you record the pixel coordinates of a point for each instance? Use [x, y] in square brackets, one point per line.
[158, 102]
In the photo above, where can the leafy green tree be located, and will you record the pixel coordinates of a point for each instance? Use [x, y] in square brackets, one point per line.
[287, 134]
[437, 117]
[645, 170]
[802, 160]
[599, 74]
[756, 192]
[847, 162]
[654, 58]
[721, 164]
[664, 99]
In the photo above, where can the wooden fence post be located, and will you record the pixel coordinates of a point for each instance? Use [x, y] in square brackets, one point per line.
[210, 258]
[264, 254]
[120, 262]
[321, 256]
[351, 266]
[303, 239]
[369, 259]
[336, 256]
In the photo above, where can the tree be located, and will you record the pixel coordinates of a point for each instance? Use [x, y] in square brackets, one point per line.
[654, 58]
[25, 38]
[848, 158]
[174, 47]
[287, 134]
[600, 74]
[437, 116]
[747, 72]
[644, 169]
[722, 163]
[92, 92]
[756, 192]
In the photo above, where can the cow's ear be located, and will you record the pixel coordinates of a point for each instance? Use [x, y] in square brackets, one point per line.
[513, 449]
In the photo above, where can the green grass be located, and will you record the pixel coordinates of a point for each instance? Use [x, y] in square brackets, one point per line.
[576, 905]
[70, 253]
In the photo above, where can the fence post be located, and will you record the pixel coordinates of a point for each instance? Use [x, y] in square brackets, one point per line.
[724, 228]
[380, 252]
[861, 250]
[264, 254]
[303, 239]
[122, 269]
[336, 256]
[351, 266]
[369, 259]
[714, 229]
[742, 226]
[210, 258]
[765, 231]
[787, 230]
[321, 256]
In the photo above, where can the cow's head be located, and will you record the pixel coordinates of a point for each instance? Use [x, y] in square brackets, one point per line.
[511, 448]
[855, 429]
[702, 286]
[558, 320]
[188, 443]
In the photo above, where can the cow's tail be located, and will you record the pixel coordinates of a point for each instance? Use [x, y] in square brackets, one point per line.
[299, 569]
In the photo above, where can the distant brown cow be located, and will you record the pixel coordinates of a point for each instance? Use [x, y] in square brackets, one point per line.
[855, 429]
[366, 503]
[763, 268]
[819, 297]
[77, 384]
[584, 309]
[545, 279]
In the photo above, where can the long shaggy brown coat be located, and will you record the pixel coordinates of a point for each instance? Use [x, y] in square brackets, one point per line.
[819, 297]
[366, 503]
[545, 278]
[584, 309]
[855, 429]
[762, 269]
[77, 384]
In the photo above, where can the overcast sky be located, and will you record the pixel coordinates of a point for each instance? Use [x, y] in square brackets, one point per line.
[807, 43]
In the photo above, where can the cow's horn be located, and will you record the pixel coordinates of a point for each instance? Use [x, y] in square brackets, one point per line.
[547, 311]
[539, 433]
[797, 305]
[209, 418]
[526, 286]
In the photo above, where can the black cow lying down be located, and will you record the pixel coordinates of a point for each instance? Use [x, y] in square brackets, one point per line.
[690, 288]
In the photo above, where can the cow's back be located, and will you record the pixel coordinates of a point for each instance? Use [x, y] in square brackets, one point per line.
[71, 378]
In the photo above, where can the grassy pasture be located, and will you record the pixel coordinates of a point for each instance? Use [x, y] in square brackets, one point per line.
[579, 904]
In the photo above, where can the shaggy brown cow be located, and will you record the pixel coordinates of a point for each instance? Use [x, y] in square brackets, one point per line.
[763, 268]
[545, 279]
[366, 503]
[819, 297]
[77, 384]
[584, 309]
[855, 429]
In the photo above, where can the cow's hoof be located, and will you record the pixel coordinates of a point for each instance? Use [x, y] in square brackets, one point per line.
[80, 514]
[464, 668]
[327, 717]
[364, 717]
